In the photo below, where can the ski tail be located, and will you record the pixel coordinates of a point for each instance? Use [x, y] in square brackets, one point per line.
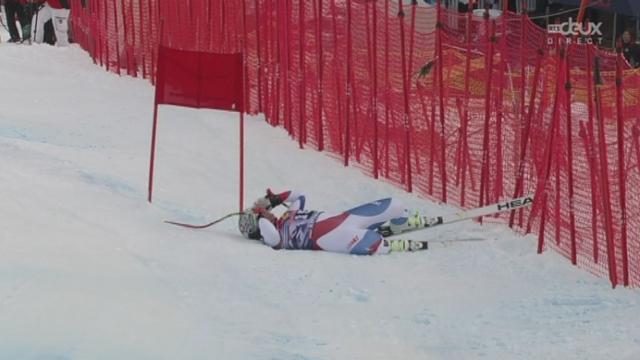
[195, 226]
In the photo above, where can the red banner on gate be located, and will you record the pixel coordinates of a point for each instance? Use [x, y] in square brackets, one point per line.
[199, 79]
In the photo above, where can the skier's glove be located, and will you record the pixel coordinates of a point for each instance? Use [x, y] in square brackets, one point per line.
[262, 203]
[264, 213]
[274, 199]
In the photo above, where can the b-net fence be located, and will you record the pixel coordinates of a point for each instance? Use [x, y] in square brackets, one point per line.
[464, 109]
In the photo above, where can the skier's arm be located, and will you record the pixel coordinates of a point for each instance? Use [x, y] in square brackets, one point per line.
[270, 235]
[293, 198]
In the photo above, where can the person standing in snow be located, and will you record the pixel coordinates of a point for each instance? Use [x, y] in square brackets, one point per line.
[15, 11]
[630, 49]
[58, 12]
[352, 232]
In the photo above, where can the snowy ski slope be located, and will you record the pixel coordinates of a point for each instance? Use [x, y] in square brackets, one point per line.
[88, 269]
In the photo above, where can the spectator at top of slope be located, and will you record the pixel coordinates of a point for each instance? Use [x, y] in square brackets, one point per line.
[16, 11]
[630, 49]
[58, 12]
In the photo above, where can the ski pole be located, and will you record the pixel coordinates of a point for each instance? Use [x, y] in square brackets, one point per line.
[35, 29]
[191, 226]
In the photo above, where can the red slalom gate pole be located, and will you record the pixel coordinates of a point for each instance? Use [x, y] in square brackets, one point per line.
[604, 179]
[572, 216]
[621, 167]
[154, 129]
[245, 63]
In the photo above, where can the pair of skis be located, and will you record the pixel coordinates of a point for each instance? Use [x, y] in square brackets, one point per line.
[427, 222]
[493, 209]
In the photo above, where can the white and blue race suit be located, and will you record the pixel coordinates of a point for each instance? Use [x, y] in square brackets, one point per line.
[352, 231]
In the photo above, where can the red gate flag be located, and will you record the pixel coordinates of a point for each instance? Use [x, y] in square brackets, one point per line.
[199, 80]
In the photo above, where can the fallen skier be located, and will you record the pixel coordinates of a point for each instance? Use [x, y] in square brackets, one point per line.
[354, 231]
[363, 230]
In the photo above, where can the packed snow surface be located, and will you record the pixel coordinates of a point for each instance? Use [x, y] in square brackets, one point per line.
[88, 269]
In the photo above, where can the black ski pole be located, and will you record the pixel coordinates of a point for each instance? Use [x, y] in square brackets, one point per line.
[35, 29]
[192, 226]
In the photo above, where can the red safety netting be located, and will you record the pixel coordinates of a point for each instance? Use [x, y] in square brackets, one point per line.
[460, 108]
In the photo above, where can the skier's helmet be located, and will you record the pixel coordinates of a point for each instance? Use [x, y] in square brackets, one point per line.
[248, 225]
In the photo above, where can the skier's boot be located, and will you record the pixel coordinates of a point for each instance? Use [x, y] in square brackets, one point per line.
[407, 245]
[400, 225]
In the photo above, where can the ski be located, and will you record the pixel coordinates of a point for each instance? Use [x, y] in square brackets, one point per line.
[429, 222]
[449, 241]
[417, 245]
[194, 226]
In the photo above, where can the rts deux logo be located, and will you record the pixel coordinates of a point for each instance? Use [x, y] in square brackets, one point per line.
[589, 32]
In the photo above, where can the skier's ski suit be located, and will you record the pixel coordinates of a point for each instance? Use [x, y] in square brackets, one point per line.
[353, 231]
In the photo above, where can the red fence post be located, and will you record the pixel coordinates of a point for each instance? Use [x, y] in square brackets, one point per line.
[587, 140]
[498, 186]
[259, 65]
[116, 35]
[301, 75]
[105, 37]
[541, 191]
[621, 166]
[440, 64]
[405, 91]
[604, 179]
[387, 100]
[592, 155]
[465, 115]
[336, 63]
[320, 87]
[374, 96]
[527, 130]
[484, 178]
[347, 107]
[572, 217]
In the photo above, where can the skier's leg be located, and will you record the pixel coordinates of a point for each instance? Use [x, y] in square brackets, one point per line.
[376, 213]
[11, 10]
[39, 19]
[357, 241]
[61, 26]
[349, 240]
